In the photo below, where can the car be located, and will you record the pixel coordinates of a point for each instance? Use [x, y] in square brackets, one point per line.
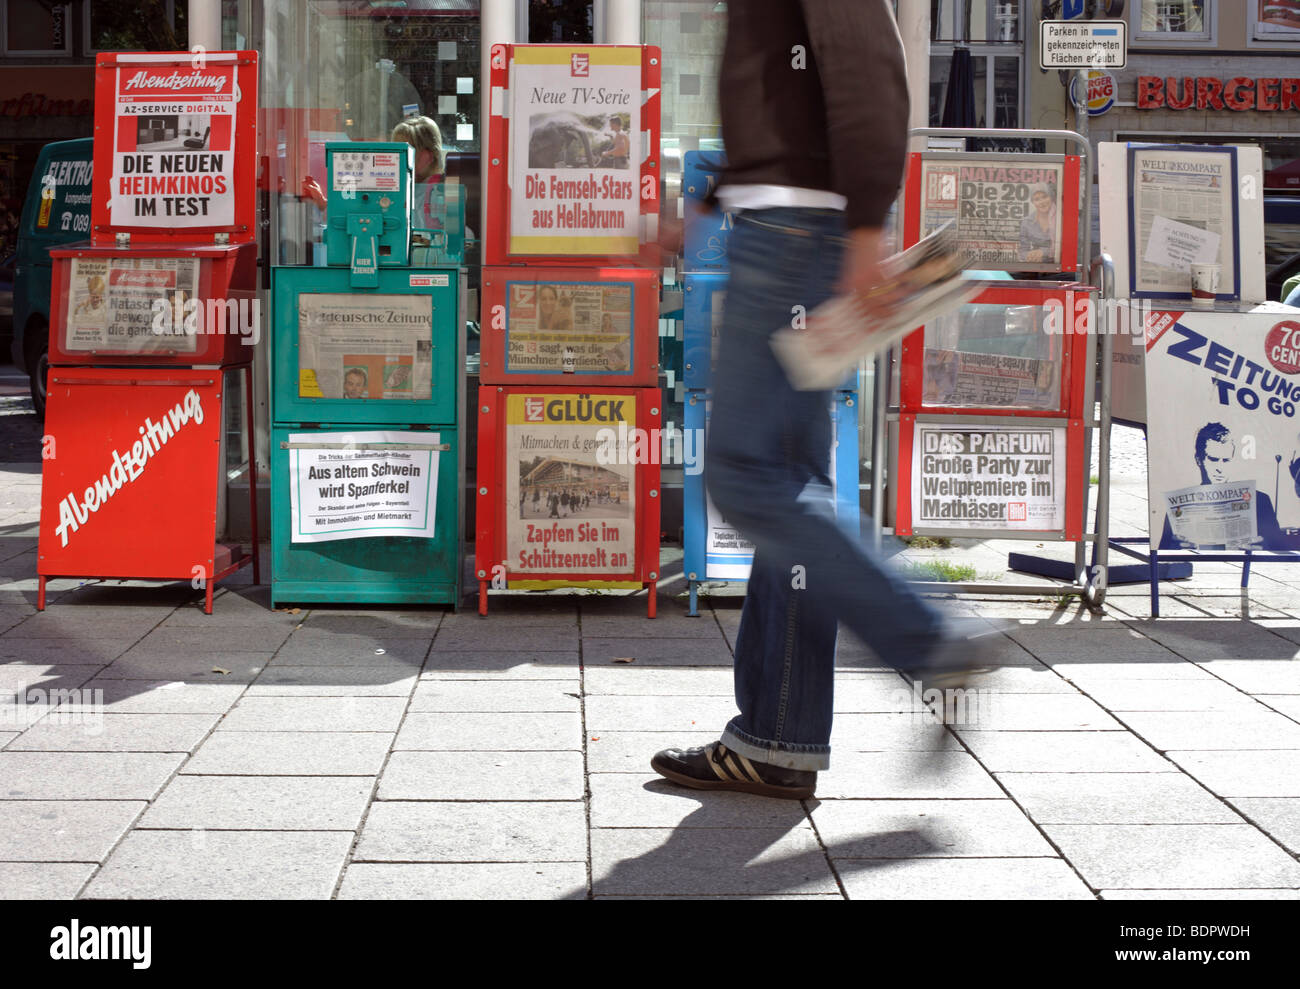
[55, 212]
[1281, 242]
[7, 300]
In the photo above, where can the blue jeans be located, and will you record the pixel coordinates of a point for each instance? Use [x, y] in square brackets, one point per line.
[767, 470]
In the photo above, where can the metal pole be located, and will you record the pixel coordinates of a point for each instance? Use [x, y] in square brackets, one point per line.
[621, 23]
[1081, 125]
[879, 443]
[496, 27]
[914, 28]
[1101, 548]
[203, 22]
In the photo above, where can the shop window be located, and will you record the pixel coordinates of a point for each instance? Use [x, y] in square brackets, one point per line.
[335, 70]
[554, 21]
[975, 20]
[1173, 20]
[146, 25]
[1274, 20]
[995, 106]
[34, 27]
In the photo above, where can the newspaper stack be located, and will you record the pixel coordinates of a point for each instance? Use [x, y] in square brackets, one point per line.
[921, 284]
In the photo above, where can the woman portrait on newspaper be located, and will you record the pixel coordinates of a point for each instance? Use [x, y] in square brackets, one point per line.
[1038, 229]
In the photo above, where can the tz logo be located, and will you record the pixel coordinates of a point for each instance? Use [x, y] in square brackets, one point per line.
[535, 409]
[579, 63]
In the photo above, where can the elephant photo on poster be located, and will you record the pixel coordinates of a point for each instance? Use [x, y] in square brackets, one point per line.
[570, 140]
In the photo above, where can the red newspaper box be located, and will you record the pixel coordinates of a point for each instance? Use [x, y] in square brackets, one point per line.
[130, 485]
[153, 325]
[568, 487]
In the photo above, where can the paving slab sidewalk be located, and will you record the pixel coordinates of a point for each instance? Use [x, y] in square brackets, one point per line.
[149, 750]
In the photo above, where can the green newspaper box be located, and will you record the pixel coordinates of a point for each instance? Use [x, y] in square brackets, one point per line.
[367, 362]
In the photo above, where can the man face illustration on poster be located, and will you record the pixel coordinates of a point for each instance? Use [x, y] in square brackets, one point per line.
[1215, 449]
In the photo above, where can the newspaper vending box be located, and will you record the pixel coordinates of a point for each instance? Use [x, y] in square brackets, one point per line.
[996, 398]
[367, 386]
[152, 329]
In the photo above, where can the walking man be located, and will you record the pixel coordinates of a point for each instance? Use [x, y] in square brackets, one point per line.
[814, 108]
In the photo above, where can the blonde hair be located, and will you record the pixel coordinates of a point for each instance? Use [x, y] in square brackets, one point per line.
[422, 134]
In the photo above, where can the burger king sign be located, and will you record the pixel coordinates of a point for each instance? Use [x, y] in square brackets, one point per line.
[1101, 92]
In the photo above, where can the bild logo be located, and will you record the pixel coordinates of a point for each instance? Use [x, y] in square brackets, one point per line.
[1016, 511]
[535, 409]
[579, 64]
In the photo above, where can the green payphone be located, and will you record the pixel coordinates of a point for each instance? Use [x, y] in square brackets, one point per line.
[367, 360]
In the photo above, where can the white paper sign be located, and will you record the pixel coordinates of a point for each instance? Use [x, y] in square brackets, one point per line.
[576, 148]
[728, 554]
[353, 486]
[174, 146]
[1180, 245]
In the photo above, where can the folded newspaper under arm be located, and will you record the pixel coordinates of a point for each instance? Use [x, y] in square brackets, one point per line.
[921, 284]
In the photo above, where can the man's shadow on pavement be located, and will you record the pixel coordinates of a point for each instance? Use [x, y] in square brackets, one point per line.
[709, 860]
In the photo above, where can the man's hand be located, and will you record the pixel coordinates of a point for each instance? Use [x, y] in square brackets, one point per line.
[862, 275]
[862, 257]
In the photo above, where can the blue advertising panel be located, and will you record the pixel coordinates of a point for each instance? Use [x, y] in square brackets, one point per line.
[703, 298]
[707, 227]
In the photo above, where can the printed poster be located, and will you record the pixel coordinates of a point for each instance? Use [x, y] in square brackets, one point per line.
[570, 485]
[1008, 215]
[576, 147]
[727, 554]
[362, 485]
[569, 327]
[358, 346]
[1278, 19]
[173, 146]
[988, 477]
[1223, 437]
[132, 305]
[956, 379]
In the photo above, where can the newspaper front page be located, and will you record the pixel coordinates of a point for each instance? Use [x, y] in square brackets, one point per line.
[363, 485]
[117, 304]
[1182, 214]
[988, 477]
[365, 346]
[574, 327]
[1213, 515]
[1007, 215]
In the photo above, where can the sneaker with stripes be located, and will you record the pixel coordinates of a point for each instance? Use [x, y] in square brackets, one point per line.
[716, 767]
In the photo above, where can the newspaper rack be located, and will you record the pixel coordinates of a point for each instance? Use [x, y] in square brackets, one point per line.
[1214, 387]
[152, 329]
[572, 186]
[1010, 402]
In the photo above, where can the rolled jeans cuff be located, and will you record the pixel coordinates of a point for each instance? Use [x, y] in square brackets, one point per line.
[787, 755]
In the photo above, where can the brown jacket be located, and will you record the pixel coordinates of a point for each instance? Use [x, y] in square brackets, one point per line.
[813, 94]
